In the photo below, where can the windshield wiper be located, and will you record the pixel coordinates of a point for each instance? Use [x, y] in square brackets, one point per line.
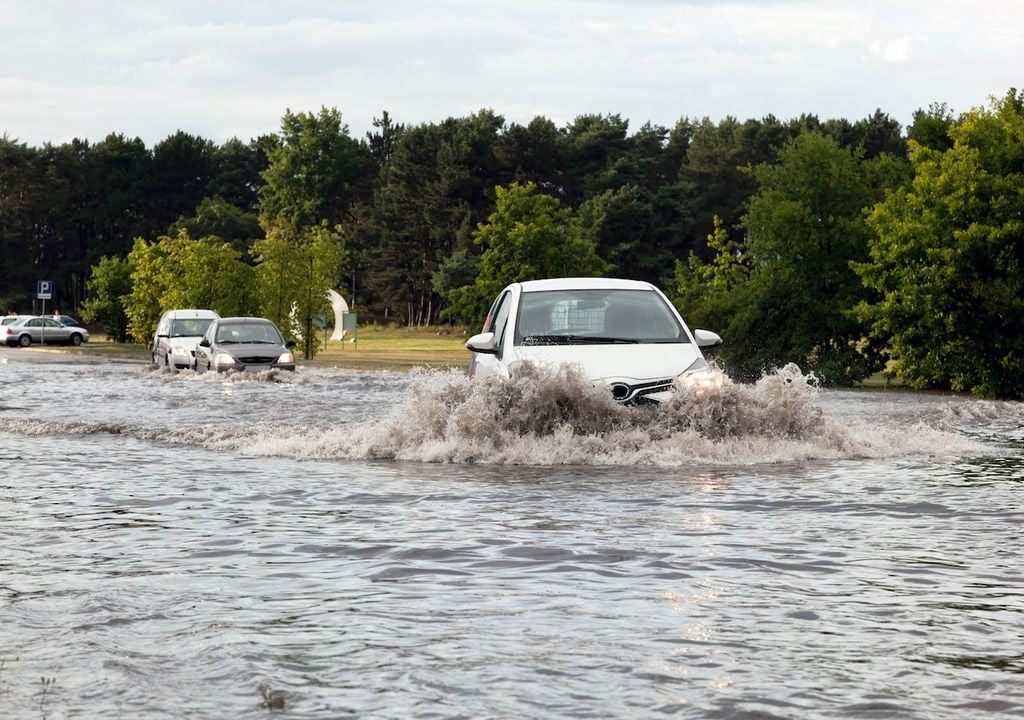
[574, 340]
[605, 339]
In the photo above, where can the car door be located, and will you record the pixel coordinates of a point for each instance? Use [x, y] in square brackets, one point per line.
[55, 332]
[203, 350]
[483, 364]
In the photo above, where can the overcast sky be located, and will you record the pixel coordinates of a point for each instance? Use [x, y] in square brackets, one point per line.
[230, 68]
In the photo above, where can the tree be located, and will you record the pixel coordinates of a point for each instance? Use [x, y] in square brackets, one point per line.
[620, 225]
[948, 259]
[931, 127]
[314, 174]
[20, 180]
[438, 186]
[180, 172]
[210, 274]
[528, 236]
[710, 294]
[150, 280]
[805, 224]
[109, 288]
[215, 217]
[182, 272]
[293, 276]
[384, 140]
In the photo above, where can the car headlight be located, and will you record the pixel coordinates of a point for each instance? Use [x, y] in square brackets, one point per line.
[286, 358]
[179, 350]
[223, 358]
[701, 378]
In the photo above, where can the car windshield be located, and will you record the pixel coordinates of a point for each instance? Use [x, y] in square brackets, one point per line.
[257, 333]
[191, 327]
[588, 317]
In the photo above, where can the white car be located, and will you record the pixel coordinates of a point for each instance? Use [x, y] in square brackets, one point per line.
[623, 333]
[177, 334]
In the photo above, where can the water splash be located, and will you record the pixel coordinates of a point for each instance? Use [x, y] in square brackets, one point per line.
[273, 375]
[554, 416]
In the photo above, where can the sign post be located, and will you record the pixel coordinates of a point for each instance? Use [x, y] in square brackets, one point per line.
[44, 291]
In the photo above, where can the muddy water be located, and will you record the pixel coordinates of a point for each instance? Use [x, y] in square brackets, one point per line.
[339, 544]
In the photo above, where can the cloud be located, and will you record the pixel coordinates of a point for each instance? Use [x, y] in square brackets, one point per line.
[231, 68]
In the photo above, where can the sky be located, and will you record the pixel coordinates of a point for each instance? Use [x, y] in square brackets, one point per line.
[231, 68]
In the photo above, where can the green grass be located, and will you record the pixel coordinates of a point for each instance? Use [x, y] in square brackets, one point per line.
[376, 348]
[396, 348]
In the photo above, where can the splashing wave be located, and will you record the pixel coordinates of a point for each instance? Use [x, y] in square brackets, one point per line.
[556, 416]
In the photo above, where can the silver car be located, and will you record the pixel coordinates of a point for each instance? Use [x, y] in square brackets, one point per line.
[42, 330]
[244, 344]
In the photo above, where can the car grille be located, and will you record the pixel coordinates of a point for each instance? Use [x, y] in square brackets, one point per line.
[257, 360]
[626, 393]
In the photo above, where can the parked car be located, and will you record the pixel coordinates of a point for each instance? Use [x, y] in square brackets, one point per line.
[622, 333]
[12, 319]
[244, 344]
[44, 330]
[67, 320]
[177, 335]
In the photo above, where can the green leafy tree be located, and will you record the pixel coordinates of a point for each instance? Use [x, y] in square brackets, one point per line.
[314, 174]
[183, 272]
[529, 236]
[785, 294]
[948, 256]
[314, 178]
[215, 217]
[109, 288]
[209, 274]
[150, 279]
[293, 275]
[710, 294]
[621, 225]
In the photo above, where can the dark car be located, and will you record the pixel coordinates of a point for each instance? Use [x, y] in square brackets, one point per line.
[67, 321]
[244, 344]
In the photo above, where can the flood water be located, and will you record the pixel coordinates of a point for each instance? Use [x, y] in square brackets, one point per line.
[336, 544]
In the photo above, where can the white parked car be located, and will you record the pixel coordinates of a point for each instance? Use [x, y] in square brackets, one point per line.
[177, 334]
[623, 333]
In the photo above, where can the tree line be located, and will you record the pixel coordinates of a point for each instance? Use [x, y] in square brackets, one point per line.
[838, 245]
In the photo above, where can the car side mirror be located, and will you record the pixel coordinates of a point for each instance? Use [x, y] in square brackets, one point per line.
[706, 338]
[205, 342]
[289, 343]
[482, 343]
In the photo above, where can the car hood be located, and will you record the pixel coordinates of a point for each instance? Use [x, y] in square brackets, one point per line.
[631, 363]
[186, 341]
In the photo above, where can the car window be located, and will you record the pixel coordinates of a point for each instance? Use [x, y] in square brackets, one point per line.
[189, 327]
[501, 318]
[248, 333]
[555, 316]
[51, 323]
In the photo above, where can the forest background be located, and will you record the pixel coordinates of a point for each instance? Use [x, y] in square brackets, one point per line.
[841, 246]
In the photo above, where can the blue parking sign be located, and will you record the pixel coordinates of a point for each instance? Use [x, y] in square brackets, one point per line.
[44, 289]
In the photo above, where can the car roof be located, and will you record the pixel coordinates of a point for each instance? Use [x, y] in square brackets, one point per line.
[584, 283]
[243, 320]
[191, 313]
